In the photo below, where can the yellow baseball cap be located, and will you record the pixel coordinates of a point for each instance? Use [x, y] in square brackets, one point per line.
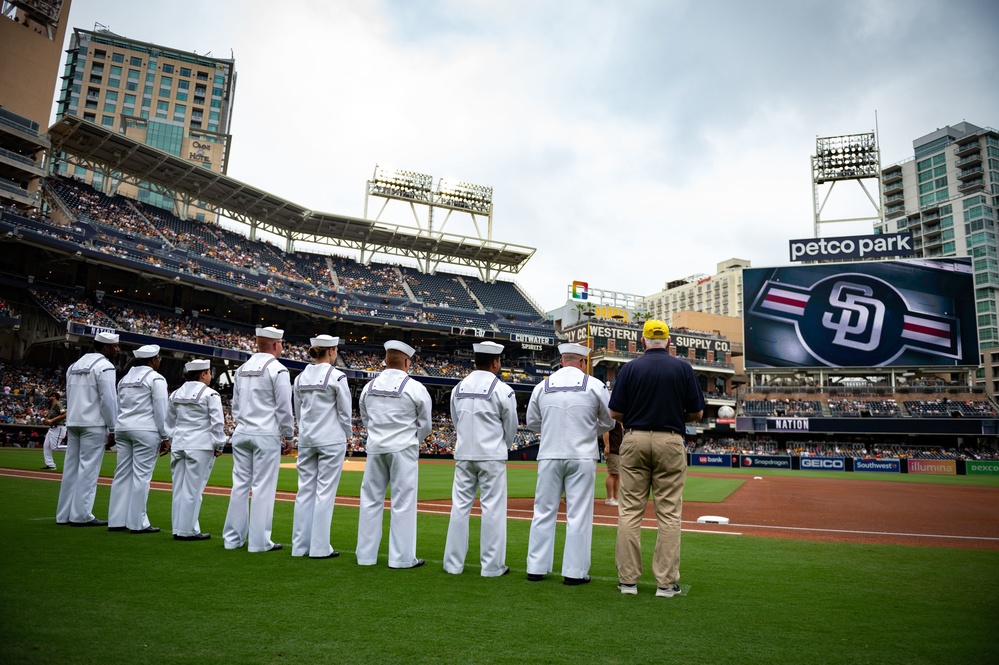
[655, 329]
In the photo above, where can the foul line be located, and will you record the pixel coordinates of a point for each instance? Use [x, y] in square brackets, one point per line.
[432, 508]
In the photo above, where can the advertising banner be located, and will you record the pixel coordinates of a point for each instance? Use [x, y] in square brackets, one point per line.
[918, 313]
[878, 465]
[707, 459]
[765, 461]
[879, 246]
[823, 463]
[982, 467]
[940, 467]
[787, 424]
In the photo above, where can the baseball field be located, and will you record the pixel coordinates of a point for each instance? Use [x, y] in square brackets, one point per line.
[813, 568]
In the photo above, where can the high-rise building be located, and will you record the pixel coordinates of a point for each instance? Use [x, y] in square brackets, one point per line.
[720, 293]
[947, 195]
[177, 101]
[31, 37]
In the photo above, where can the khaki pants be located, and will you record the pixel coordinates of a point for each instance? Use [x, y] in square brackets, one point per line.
[656, 461]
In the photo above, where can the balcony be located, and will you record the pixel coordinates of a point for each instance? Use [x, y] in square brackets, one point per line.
[962, 150]
[893, 198]
[892, 176]
[975, 158]
[975, 171]
[971, 185]
[894, 187]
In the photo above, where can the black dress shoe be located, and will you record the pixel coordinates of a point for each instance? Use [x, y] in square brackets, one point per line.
[197, 536]
[148, 529]
[332, 555]
[275, 547]
[532, 577]
[575, 581]
[117, 528]
[506, 570]
[418, 564]
[48, 468]
[93, 522]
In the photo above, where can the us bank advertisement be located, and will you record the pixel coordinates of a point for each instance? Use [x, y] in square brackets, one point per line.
[916, 313]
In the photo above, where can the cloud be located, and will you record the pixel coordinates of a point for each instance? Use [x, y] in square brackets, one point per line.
[631, 143]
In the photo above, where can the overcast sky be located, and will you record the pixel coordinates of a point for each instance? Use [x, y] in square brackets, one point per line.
[630, 142]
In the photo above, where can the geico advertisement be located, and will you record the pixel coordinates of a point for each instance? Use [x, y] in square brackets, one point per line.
[823, 463]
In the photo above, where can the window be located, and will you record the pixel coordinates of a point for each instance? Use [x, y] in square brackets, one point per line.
[135, 61]
[161, 109]
[179, 112]
[107, 120]
[118, 57]
[185, 71]
[216, 92]
[923, 164]
[939, 159]
[181, 96]
[183, 85]
[167, 68]
[99, 54]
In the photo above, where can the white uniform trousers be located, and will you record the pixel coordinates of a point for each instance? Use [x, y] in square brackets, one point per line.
[190, 470]
[255, 465]
[137, 451]
[80, 469]
[319, 471]
[489, 477]
[52, 439]
[576, 477]
[401, 470]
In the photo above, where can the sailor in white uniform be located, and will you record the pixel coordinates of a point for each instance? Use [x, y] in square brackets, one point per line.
[484, 413]
[196, 425]
[396, 412]
[570, 411]
[323, 410]
[265, 429]
[91, 408]
[140, 433]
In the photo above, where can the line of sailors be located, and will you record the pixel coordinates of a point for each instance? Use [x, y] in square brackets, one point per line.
[569, 409]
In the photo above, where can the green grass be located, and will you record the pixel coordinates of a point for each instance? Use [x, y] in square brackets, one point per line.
[86, 595]
[435, 479]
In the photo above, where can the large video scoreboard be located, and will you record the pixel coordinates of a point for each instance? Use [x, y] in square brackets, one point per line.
[918, 313]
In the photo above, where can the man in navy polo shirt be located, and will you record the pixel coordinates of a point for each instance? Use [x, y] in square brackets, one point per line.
[654, 396]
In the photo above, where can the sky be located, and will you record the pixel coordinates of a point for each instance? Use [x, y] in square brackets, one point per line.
[630, 142]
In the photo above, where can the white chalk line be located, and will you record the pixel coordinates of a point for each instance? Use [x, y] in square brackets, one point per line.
[526, 515]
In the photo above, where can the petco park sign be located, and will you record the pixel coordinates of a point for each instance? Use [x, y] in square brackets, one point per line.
[877, 246]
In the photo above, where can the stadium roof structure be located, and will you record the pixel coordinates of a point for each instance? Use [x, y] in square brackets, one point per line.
[105, 150]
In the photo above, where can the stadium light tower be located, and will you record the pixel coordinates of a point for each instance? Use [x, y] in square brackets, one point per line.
[418, 189]
[853, 157]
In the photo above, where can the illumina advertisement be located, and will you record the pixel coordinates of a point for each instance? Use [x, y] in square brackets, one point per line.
[918, 313]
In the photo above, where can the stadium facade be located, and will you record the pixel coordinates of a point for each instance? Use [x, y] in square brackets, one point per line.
[947, 194]
[176, 101]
